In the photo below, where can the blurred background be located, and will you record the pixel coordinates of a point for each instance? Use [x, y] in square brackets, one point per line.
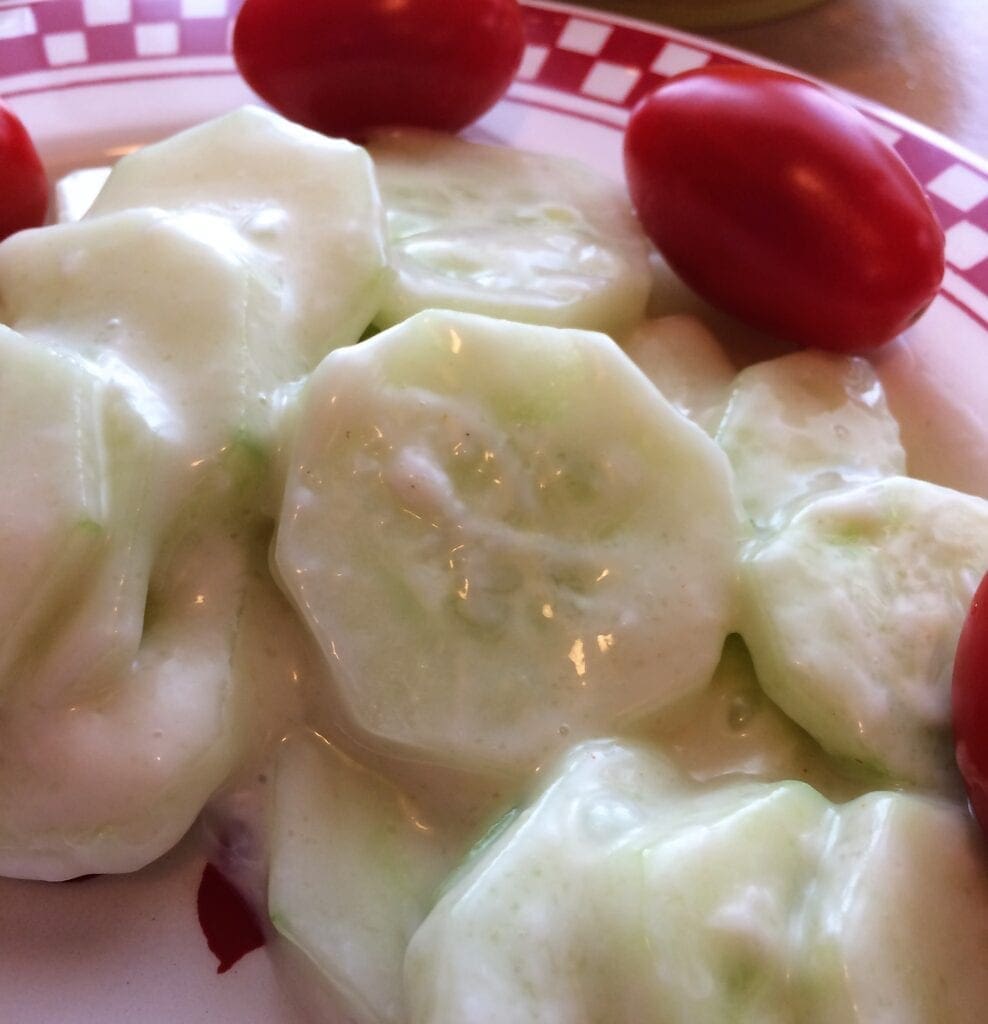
[927, 59]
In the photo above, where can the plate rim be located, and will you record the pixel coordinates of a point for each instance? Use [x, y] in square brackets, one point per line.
[874, 108]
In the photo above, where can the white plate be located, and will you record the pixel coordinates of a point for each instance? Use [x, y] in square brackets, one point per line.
[94, 78]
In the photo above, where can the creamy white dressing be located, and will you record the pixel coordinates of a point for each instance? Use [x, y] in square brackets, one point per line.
[172, 667]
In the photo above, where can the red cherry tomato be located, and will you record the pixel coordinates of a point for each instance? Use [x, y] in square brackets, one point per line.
[778, 203]
[346, 66]
[23, 184]
[970, 703]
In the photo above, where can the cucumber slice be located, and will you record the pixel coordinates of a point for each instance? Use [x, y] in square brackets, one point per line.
[76, 192]
[175, 308]
[97, 630]
[522, 236]
[308, 203]
[805, 424]
[852, 615]
[54, 514]
[354, 870]
[687, 363]
[502, 536]
[546, 922]
[108, 773]
[720, 889]
[895, 928]
[623, 895]
[133, 709]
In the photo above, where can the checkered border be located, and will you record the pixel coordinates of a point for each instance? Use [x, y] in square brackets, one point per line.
[49, 34]
[581, 54]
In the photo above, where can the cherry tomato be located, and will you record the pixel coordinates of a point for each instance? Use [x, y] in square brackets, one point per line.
[970, 703]
[346, 66]
[23, 184]
[779, 204]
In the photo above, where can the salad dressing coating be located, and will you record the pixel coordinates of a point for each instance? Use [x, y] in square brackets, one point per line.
[706, 859]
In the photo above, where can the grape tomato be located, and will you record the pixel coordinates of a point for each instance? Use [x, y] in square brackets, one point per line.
[345, 66]
[779, 204]
[23, 184]
[970, 703]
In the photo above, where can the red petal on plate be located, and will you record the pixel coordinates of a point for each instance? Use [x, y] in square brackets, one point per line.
[229, 924]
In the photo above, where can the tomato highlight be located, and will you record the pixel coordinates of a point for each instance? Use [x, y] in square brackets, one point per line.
[779, 204]
[23, 183]
[970, 704]
[344, 67]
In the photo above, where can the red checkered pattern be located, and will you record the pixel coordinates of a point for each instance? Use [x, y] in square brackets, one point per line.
[66, 33]
[587, 55]
[570, 53]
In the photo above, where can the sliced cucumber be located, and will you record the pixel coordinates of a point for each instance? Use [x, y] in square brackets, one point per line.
[623, 895]
[308, 203]
[175, 308]
[54, 514]
[895, 928]
[546, 924]
[97, 630]
[132, 710]
[852, 616]
[76, 191]
[105, 769]
[684, 360]
[721, 885]
[503, 536]
[354, 871]
[805, 424]
[516, 235]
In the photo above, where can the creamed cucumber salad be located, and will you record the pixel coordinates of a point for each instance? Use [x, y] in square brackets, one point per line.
[594, 676]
